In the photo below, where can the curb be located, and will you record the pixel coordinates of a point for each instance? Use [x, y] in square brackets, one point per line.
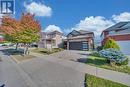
[15, 60]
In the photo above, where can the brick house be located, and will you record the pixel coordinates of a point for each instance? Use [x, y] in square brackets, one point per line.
[120, 32]
[80, 40]
[50, 40]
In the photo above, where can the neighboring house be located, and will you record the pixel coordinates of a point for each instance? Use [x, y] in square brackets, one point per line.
[50, 40]
[80, 40]
[1, 38]
[120, 32]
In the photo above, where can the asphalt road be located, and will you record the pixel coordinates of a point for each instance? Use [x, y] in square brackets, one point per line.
[38, 72]
[49, 74]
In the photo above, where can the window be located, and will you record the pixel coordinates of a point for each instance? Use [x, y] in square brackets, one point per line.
[111, 32]
[85, 45]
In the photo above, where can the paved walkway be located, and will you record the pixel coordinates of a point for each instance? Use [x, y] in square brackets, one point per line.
[99, 72]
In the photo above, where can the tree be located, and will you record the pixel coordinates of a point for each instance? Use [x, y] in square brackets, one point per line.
[31, 29]
[26, 30]
[11, 29]
[110, 43]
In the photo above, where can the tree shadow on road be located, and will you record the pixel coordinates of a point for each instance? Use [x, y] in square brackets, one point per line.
[12, 52]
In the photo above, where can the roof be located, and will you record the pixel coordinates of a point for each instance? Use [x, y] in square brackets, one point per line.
[79, 32]
[118, 26]
[124, 28]
[84, 32]
[54, 32]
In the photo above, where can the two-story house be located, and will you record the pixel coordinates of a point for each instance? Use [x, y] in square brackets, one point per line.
[50, 40]
[80, 40]
[120, 32]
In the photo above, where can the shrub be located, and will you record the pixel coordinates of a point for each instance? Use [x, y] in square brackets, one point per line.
[96, 54]
[110, 43]
[125, 62]
[99, 48]
[57, 49]
[113, 54]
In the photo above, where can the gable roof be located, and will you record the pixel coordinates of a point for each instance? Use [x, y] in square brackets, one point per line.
[84, 32]
[79, 32]
[118, 26]
[55, 32]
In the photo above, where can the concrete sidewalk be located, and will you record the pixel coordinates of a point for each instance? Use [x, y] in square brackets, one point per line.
[84, 68]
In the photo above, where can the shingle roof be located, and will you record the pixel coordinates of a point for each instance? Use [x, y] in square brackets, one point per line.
[84, 32]
[79, 32]
[120, 25]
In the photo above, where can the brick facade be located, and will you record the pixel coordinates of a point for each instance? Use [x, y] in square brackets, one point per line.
[124, 37]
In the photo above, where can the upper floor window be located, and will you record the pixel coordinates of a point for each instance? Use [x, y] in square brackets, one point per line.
[111, 32]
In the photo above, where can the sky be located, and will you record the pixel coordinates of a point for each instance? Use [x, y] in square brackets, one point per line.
[68, 15]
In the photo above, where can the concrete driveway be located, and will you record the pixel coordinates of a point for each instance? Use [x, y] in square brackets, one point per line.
[50, 74]
[72, 55]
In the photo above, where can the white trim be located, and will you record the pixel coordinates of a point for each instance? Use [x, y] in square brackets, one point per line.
[118, 34]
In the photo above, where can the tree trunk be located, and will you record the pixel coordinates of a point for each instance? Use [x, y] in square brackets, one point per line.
[26, 51]
[16, 48]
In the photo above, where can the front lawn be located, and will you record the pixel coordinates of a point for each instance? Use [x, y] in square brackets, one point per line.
[93, 81]
[102, 63]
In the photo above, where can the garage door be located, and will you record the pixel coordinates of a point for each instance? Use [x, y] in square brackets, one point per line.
[78, 45]
[124, 46]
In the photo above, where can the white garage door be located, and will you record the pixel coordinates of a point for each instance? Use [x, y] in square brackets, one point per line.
[124, 46]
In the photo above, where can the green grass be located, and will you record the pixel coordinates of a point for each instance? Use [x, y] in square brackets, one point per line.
[102, 63]
[93, 81]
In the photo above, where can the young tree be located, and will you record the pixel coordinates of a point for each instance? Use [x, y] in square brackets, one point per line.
[31, 29]
[110, 43]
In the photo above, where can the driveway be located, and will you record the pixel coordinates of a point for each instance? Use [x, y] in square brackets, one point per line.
[72, 55]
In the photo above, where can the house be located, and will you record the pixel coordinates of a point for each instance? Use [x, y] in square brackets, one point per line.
[80, 40]
[50, 40]
[1, 38]
[120, 32]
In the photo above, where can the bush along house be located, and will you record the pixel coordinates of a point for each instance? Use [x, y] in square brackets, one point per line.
[120, 32]
[80, 40]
